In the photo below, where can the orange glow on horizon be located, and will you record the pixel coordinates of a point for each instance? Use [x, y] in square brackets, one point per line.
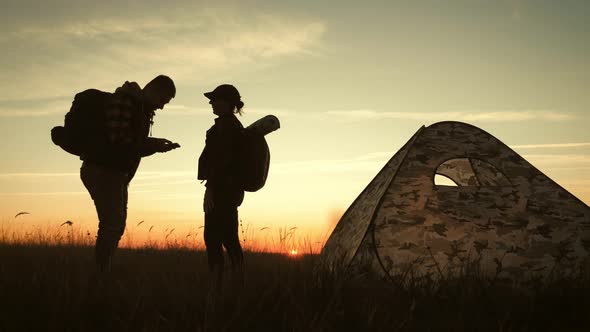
[145, 234]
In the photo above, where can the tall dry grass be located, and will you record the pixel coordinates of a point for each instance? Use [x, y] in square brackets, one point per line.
[48, 283]
[282, 240]
[55, 288]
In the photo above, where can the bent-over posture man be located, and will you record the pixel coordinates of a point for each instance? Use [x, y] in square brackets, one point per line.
[113, 150]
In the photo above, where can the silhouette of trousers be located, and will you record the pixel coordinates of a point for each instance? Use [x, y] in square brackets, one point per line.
[108, 189]
[221, 229]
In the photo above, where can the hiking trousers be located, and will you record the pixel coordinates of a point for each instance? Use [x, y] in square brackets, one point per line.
[109, 191]
[221, 230]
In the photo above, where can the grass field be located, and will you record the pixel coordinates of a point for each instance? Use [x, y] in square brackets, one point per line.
[142, 235]
[54, 288]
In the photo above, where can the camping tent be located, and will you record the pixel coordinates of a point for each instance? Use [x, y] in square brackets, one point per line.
[503, 213]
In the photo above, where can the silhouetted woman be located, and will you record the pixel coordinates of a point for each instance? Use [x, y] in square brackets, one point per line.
[218, 165]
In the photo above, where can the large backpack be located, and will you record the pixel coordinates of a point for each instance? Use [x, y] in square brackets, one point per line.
[254, 153]
[254, 160]
[82, 120]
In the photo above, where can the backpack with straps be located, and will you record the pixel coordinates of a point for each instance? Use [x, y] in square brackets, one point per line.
[83, 119]
[254, 154]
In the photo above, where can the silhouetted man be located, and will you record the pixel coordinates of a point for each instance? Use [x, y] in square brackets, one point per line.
[113, 151]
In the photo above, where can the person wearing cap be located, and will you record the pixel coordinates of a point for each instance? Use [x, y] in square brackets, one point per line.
[218, 165]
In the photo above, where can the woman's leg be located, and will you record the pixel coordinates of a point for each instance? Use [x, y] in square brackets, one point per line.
[231, 240]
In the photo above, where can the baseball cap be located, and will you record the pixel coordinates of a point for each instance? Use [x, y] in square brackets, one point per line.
[225, 91]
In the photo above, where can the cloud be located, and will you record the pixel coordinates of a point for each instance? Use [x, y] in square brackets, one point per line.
[372, 115]
[552, 146]
[560, 157]
[60, 193]
[54, 193]
[580, 183]
[43, 108]
[326, 166]
[60, 58]
[481, 116]
[375, 155]
[374, 161]
[36, 175]
[369, 162]
[139, 176]
[201, 111]
[143, 176]
[186, 110]
[263, 112]
[510, 116]
[166, 183]
[559, 161]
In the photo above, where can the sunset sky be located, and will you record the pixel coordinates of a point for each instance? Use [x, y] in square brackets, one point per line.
[351, 81]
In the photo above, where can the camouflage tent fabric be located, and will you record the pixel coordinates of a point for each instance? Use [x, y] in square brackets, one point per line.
[503, 214]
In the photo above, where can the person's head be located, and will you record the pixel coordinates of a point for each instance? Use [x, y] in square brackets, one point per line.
[158, 92]
[225, 99]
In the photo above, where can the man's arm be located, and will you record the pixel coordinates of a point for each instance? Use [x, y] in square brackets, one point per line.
[152, 145]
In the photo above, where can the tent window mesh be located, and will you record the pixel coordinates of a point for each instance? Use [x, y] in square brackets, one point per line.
[469, 172]
[441, 180]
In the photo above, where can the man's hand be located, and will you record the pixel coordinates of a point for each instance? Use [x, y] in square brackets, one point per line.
[164, 145]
